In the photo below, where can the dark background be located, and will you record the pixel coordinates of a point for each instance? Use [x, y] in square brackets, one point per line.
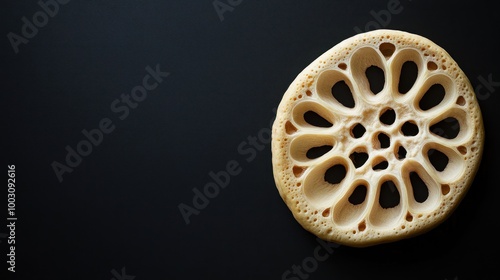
[119, 207]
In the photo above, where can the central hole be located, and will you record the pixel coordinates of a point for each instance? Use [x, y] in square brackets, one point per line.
[401, 153]
[409, 128]
[381, 165]
[358, 159]
[388, 117]
[384, 140]
[358, 130]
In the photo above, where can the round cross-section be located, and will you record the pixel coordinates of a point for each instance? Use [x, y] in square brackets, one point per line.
[377, 140]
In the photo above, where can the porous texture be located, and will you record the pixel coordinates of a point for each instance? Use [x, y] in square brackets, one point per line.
[361, 164]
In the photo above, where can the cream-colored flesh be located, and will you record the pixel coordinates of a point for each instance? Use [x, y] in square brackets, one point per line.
[326, 209]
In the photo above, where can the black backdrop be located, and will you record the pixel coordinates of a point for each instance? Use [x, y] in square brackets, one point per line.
[68, 71]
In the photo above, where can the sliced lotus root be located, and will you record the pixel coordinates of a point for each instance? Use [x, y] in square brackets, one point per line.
[377, 140]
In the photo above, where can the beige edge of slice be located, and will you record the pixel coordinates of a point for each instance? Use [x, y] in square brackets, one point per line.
[324, 208]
